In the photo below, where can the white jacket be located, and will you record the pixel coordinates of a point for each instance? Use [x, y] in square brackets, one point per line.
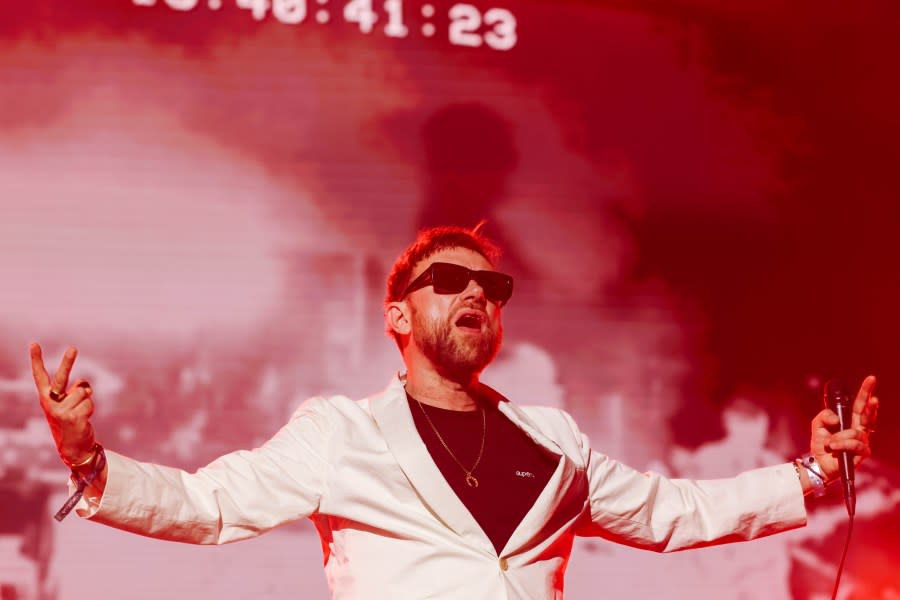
[391, 526]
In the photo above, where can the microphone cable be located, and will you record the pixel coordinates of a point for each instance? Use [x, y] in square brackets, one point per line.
[837, 581]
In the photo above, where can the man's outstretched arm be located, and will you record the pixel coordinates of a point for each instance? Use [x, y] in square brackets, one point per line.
[658, 513]
[238, 495]
[68, 410]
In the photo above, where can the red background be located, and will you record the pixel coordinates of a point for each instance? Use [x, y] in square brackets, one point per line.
[698, 202]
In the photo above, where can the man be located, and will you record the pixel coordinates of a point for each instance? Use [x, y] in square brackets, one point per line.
[438, 487]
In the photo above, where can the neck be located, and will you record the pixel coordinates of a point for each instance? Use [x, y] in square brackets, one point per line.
[430, 387]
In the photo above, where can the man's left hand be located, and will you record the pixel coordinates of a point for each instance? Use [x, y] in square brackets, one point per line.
[825, 445]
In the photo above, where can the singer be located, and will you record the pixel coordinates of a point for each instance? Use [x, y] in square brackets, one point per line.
[438, 487]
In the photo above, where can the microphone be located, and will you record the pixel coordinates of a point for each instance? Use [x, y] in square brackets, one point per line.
[838, 399]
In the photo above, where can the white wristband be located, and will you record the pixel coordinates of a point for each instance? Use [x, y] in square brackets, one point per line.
[814, 471]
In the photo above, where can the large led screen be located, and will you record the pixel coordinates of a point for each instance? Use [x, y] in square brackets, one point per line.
[697, 199]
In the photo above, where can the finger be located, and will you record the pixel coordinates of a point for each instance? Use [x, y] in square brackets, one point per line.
[826, 419]
[83, 410]
[74, 397]
[848, 434]
[75, 416]
[78, 393]
[862, 399]
[854, 445]
[41, 378]
[61, 378]
[850, 440]
[84, 384]
[821, 431]
[869, 418]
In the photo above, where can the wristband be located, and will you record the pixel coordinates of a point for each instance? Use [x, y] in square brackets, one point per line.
[98, 463]
[817, 478]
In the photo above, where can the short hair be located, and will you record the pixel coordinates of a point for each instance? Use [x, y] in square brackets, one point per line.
[431, 241]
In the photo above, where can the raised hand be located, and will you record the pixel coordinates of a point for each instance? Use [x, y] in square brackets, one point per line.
[825, 444]
[68, 408]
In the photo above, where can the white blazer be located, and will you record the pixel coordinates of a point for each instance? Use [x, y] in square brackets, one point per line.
[392, 527]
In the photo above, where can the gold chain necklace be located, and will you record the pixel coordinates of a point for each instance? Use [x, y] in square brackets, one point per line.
[471, 481]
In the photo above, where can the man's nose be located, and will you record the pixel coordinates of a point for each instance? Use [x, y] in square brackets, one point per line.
[474, 291]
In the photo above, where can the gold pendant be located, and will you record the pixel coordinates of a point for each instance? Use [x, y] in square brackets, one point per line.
[471, 481]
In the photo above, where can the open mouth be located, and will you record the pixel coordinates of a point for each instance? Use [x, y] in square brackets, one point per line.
[471, 321]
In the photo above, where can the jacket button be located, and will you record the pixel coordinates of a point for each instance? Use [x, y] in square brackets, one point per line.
[503, 564]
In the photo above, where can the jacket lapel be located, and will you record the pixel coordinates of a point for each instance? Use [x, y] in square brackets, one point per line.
[391, 413]
[561, 500]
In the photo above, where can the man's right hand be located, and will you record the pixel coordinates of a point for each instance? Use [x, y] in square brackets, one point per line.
[68, 416]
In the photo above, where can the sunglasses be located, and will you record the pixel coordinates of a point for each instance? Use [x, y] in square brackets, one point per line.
[447, 278]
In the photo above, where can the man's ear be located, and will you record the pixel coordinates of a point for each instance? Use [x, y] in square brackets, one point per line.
[398, 319]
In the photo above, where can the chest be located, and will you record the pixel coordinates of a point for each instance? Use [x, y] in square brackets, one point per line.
[494, 468]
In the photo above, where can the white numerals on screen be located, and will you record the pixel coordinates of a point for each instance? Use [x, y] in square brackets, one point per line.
[469, 26]
[360, 11]
[503, 33]
[466, 20]
[464, 23]
[289, 12]
[182, 4]
[257, 7]
[395, 27]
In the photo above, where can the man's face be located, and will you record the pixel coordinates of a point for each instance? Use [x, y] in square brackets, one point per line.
[459, 333]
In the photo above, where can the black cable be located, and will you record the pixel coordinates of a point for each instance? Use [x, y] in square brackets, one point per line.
[837, 581]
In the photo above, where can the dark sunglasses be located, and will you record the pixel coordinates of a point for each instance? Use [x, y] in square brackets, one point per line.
[447, 278]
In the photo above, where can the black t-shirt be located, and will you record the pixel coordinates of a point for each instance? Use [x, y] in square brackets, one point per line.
[512, 473]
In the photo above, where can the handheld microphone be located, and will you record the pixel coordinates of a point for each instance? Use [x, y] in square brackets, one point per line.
[838, 399]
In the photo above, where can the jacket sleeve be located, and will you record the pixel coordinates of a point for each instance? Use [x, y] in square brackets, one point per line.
[237, 496]
[649, 511]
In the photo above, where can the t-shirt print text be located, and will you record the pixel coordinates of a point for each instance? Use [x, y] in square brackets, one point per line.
[527, 474]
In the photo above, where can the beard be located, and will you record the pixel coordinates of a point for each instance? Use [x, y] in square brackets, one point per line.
[457, 357]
